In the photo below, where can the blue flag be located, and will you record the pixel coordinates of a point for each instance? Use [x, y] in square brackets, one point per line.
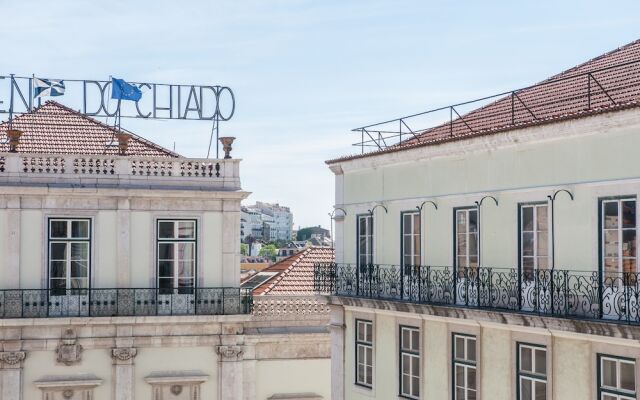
[121, 90]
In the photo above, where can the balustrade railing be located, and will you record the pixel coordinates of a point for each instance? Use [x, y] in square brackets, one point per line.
[289, 307]
[44, 303]
[614, 296]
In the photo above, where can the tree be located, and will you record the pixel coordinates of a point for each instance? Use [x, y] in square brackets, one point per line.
[269, 250]
[244, 249]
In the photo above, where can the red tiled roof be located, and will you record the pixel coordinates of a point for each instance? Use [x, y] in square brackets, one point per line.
[57, 129]
[295, 273]
[547, 102]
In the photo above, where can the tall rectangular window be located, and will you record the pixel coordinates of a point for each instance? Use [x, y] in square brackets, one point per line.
[176, 257]
[464, 367]
[365, 239]
[466, 238]
[616, 378]
[364, 353]
[534, 238]
[68, 258]
[619, 236]
[409, 362]
[532, 372]
[411, 239]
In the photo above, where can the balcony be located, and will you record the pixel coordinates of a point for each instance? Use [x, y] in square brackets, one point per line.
[119, 171]
[614, 297]
[49, 303]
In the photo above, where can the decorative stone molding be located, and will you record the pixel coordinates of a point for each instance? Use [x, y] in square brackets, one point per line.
[176, 385]
[295, 396]
[123, 355]
[12, 358]
[230, 353]
[290, 307]
[69, 351]
[68, 387]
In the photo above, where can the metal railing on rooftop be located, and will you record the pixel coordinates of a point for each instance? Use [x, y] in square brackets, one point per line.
[45, 303]
[571, 94]
[612, 297]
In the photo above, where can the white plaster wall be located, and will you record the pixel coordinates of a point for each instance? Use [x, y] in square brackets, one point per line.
[142, 249]
[165, 359]
[293, 376]
[32, 251]
[105, 247]
[573, 366]
[211, 249]
[42, 363]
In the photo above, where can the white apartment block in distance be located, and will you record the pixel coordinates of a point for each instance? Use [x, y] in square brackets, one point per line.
[494, 256]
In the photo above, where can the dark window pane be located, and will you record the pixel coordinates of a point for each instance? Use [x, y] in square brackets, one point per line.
[80, 251]
[609, 373]
[610, 214]
[58, 269]
[526, 359]
[541, 390]
[542, 218]
[473, 221]
[58, 229]
[165, 230]
[526, 389]
[186, 229]
[79, 269]
[527, 244]
[58, 251]
[629, 243]
[79, 283]
[461, 222]
[629, 214]
[80, 229]
[165, 283]
[527, 218]
[165, 268]
[471, 349]
[541, 362]
[471, 378]
[58, 283]
[459, 350]
[627, 376]
[165, 251]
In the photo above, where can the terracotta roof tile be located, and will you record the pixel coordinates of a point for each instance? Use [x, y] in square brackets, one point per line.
[547, 102]
[57, 129]
[295, 273]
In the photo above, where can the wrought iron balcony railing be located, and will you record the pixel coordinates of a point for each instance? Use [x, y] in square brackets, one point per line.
[44, 303]
[614, 297]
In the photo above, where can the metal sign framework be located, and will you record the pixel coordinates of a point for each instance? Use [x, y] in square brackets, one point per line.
[92, 98]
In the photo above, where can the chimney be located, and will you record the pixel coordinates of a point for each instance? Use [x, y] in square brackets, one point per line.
[123, 142]
[14, 139]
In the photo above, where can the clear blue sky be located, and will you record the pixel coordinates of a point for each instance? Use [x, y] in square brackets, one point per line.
[305, 73]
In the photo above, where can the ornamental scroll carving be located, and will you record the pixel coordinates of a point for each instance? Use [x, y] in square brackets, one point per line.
[12, 357]
[123, 355]
[230, 353]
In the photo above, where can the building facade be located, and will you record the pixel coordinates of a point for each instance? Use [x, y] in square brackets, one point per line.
[495, 256]
[120, 274]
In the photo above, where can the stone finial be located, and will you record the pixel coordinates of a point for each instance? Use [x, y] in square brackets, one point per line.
[14, 139]
[123, 142]
[227, 141]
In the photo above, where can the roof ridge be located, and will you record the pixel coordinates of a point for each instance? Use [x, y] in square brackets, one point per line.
[103, 125]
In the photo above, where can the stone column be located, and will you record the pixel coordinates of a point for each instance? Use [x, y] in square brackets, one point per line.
[336, 326]
[249, 372]
[123, 272]
[230, 243]
[123, 374]
[11, 374]
[231, 371]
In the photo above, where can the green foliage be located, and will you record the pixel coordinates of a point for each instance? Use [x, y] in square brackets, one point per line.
[244, 249]
[269, 250]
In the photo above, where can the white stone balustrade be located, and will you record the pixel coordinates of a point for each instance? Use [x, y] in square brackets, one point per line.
[290, 307]
[119, 171]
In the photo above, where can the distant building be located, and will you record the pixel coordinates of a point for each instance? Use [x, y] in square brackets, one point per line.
[267, 222]
[313, 232]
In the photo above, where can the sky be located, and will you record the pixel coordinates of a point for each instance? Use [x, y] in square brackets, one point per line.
[304, 73]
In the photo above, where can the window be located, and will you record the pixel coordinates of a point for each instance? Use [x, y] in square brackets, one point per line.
[409, 362]
[618, 222]
[69, 243]
[616, 378]
[466, 238]
[364, 353]
[534, 238]
[464, 367]
[411, 239]
[176, 257]
[532, 372]
[365, 239]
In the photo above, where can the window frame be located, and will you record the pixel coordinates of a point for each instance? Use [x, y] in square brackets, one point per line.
[364, 344]
[359, 217]
[68, 240]
[465, 209]
[531, 376]
[618, 393]
[412, 235]
[463, 362]
[520, 232]
[176, 240]
[601, 234]
[412, 354]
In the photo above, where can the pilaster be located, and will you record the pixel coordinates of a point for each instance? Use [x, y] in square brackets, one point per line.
[230, 358]
[123, 372]
[230, 243]
[11, 374]
[11, 280]
[123, 241]
[336, 326]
